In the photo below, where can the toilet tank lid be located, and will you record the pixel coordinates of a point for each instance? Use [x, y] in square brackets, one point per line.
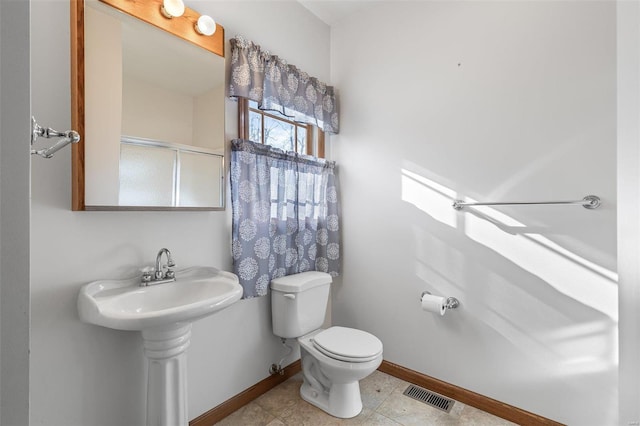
[300, 282]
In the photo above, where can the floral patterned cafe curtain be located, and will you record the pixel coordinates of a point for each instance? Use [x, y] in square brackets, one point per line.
[285, 215]
[276, 85]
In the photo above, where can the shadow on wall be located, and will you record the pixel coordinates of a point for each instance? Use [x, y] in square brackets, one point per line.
[562, 310]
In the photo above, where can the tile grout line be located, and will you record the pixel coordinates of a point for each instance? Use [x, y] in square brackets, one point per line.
[400, 383]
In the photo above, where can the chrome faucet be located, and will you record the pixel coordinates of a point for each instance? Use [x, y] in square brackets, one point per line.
[160, 276]
[160, 273]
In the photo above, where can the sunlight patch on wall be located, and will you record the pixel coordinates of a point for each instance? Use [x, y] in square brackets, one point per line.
[586, 347]
[568, 273]
[429, 196]
[575, 354]
[537, 327]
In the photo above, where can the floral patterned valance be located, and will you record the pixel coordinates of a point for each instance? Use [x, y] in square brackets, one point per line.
[276, 85]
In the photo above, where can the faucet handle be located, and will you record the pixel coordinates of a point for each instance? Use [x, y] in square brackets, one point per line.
[147, 276]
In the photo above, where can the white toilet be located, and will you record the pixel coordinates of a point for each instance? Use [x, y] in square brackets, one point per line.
[335, 359]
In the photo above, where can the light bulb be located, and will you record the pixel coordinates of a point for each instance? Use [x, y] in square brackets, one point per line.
[206, 25]
[172, 8]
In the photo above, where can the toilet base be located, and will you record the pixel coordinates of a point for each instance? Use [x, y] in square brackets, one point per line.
[342, 401]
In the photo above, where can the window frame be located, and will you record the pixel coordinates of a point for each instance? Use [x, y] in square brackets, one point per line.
[315, 135]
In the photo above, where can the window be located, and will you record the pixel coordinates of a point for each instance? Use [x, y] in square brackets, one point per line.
[274, 129]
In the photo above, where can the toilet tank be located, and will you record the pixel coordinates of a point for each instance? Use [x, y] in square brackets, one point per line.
[299, 303]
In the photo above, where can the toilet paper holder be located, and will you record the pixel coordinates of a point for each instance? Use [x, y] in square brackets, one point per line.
[451, 302]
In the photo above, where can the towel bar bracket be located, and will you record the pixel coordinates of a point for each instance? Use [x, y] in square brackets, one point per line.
[591, 202]
[70, 136]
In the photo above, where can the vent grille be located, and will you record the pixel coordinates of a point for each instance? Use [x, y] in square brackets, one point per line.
[429, 398]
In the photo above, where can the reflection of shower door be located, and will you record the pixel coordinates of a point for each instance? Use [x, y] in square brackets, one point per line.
[165, 175]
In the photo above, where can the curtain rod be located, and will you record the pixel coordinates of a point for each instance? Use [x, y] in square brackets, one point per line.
[588, 202]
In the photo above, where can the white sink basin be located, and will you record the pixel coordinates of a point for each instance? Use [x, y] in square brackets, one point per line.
[124, 305]
[163, 313]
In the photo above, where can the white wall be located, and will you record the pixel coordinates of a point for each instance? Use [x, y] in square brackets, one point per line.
[103, 97]
[14, 212]
[208, 119]
[628, 108]
[86, 375]
[153, 112]
[491, 101]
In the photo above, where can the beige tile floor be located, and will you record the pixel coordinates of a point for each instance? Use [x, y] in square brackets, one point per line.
[382, 398]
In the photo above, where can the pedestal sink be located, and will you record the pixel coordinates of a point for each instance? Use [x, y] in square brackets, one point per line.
[163, 313]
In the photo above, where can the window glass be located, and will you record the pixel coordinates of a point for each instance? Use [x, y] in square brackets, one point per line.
[255, 126]
[271, 128]
[302, 141]
[279, 134]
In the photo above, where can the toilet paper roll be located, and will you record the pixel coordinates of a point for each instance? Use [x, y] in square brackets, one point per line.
[435, 304]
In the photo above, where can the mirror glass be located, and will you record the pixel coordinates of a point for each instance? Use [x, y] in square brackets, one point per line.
[154, 116]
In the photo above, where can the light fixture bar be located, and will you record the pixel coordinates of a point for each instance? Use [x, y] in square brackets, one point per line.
[182, 26]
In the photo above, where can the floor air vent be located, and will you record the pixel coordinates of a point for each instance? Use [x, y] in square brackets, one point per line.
[429, 398]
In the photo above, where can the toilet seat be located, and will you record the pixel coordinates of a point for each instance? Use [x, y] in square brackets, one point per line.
[348, 344]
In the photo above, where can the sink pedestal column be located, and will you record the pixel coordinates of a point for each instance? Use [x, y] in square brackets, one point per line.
[165, 349]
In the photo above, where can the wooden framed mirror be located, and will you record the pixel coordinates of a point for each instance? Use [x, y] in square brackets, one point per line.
[149, 95]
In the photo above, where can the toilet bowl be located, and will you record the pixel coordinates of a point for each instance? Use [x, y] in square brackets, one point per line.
[333, 362]
[335, 359]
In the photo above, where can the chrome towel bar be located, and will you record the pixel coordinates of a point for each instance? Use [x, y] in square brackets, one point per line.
[588, 202]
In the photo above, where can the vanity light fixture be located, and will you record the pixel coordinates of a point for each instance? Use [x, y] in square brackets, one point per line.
[205, 25]
[172, 8]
